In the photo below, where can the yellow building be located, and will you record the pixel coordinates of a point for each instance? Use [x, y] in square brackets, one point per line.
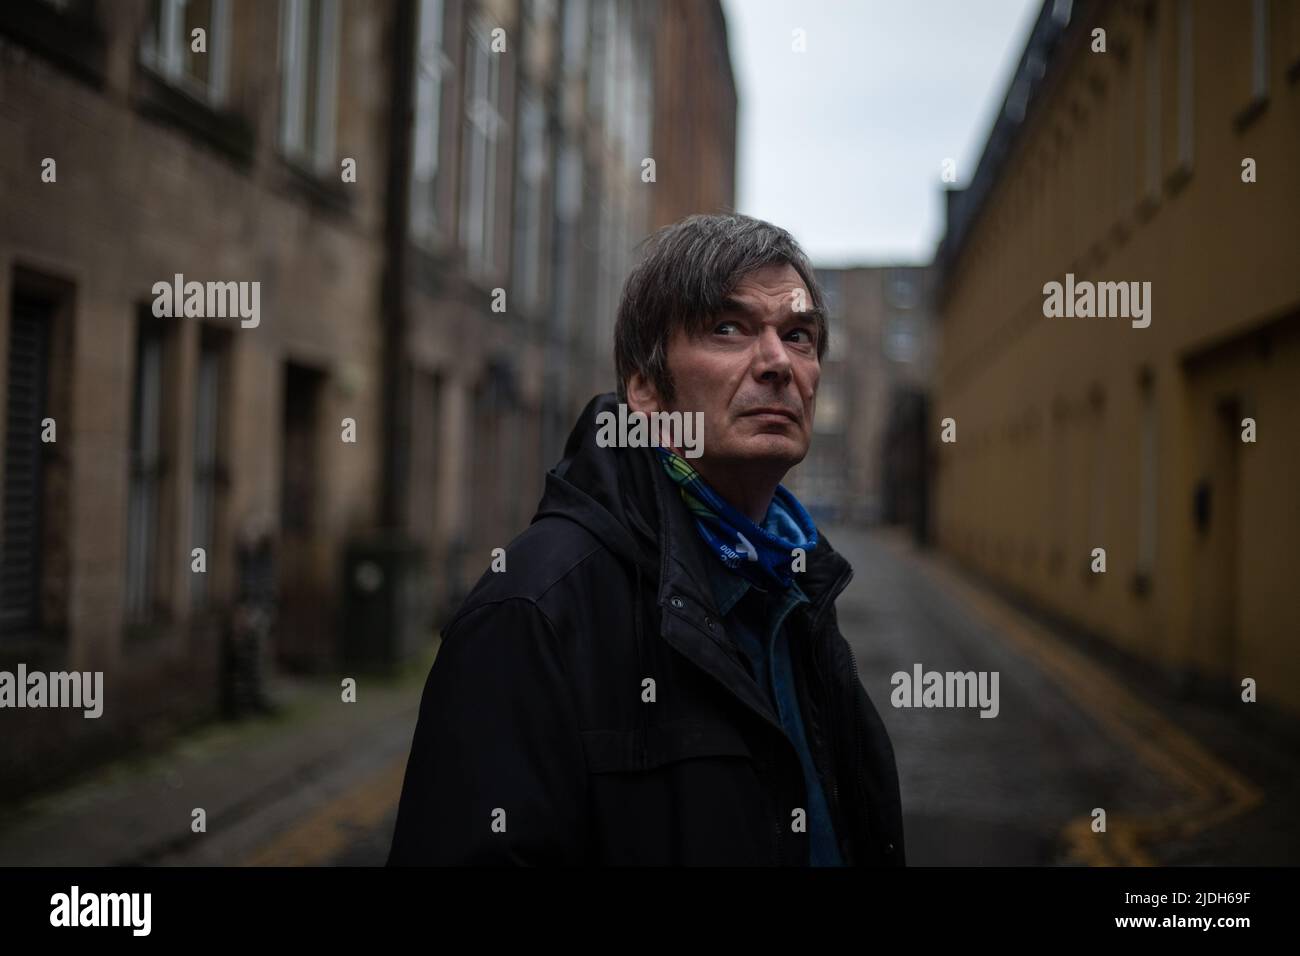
[1139, 142]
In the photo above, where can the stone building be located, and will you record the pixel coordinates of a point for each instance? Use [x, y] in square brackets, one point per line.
[1167, 158]
[881, 352]
[435, 199]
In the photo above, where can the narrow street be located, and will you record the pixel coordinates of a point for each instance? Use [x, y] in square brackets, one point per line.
[319, 785]
[1070, 736]
[1017, 789]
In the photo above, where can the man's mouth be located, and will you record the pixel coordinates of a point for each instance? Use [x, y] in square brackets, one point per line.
[769, 411]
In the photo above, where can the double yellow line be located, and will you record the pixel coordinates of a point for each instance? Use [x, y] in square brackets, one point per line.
[1212, 792]
[327, 831]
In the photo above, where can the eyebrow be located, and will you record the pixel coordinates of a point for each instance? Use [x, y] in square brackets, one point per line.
[811, 315]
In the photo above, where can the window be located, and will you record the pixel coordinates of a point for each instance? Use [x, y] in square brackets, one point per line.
[1152, 118]
[426, 459]
[902, 291]
[1098, 466]
[539, 11]
[490, 421]
[1259, 50]
[837, 348]
[1185, 83]
[207, 405]
[530, 222]
[575, 35]
[24, 477]
[598, 52]
[168, 46]
[430, 61]
[613, 70]
[567, 281]
[830, 408]
[902, 341]
[483, 128]
[69, 33]
[303, 392]
[632, 113]
[147, 471]
[568, 196]
[1148, 490]
[309, 56]
[831, 295]
[1123, 155]
[610, 255]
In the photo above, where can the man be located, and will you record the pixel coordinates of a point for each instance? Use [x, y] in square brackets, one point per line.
[657, 676]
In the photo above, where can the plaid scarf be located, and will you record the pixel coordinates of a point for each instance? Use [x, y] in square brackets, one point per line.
[761, 555]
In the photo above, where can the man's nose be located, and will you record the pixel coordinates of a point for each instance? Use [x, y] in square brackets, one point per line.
[772, 363]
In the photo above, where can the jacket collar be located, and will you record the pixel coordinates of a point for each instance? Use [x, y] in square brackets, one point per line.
[623, 496]
[685, 560]
[691, 620]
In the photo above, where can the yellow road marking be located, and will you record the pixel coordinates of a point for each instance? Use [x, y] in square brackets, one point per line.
[328, 830]
[1214, 791]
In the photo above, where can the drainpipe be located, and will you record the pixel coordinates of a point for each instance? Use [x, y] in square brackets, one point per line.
[393, 304]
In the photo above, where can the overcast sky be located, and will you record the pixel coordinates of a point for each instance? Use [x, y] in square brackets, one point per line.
[843, 144]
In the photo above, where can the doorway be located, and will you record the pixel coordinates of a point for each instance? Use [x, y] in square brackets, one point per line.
[304, 634]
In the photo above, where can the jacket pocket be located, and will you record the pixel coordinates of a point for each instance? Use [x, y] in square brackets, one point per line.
[620, 751]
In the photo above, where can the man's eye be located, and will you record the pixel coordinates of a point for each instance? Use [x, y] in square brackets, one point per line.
[717, 330]
[807, 336]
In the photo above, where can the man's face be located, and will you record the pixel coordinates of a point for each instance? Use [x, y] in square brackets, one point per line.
[753, 373]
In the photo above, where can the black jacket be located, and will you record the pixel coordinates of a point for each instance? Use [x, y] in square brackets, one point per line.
[534, 744]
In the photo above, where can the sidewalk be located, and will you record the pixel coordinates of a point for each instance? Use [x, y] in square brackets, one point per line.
[253, 778]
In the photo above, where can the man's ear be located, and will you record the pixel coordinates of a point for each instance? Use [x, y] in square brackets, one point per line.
[642, 396]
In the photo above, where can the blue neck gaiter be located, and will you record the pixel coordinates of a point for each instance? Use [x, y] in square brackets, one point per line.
[761, 555]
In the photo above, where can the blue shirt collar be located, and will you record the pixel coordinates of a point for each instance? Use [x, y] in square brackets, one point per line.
[729, 587]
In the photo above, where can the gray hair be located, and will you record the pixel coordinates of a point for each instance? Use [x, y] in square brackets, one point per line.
[687, 273]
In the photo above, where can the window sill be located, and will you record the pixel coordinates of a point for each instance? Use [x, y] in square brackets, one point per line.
[1119, 233]
[1252, 112]
[229, 133]
[1146, 208]
[484, 281]
[482, 288]
[330, 195]
[73, 40]
[429, 267]
[1178, 177]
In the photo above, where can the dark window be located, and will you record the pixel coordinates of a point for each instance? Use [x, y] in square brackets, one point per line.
[65, 31]
[166, 46]
[20, 537]
[302, 392]
[147, 472]
[208, 398]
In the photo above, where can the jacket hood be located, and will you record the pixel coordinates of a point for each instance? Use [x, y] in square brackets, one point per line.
[609, 491]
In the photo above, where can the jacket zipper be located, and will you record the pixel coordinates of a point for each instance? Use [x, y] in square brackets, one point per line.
[825, 689]
[643, 716]
[857, 743]
[835, 761]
